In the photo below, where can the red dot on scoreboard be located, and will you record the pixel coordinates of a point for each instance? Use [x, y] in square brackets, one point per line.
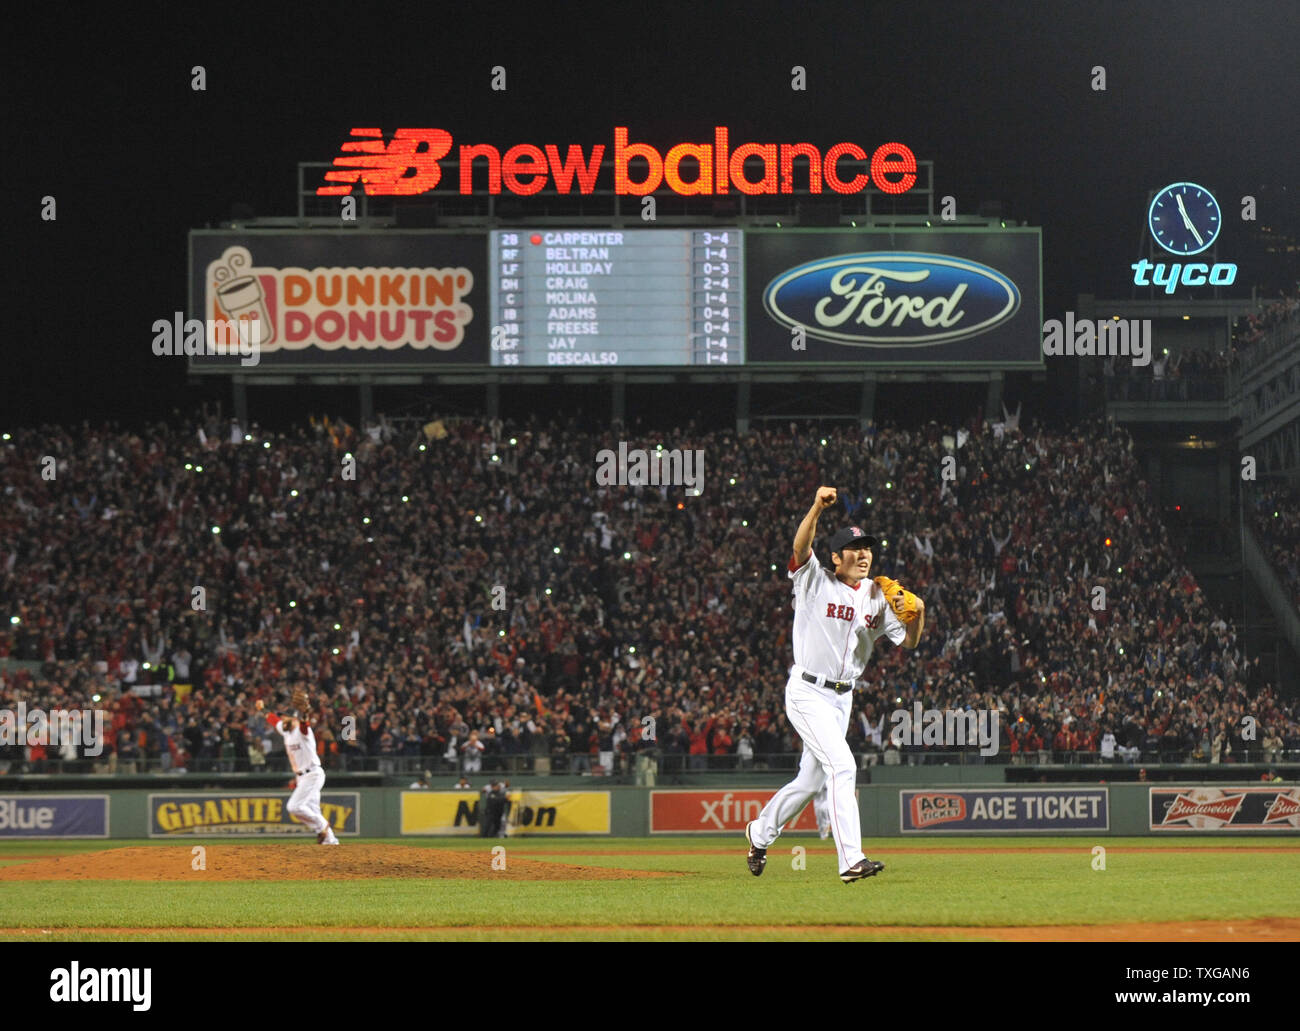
[535, 239]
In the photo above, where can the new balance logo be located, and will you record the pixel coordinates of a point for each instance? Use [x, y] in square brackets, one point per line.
[383, 170]
[408, 165]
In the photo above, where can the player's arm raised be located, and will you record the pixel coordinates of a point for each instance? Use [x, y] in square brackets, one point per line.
[803, 537]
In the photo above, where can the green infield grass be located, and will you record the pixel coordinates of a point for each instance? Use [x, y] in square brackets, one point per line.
[949, 888]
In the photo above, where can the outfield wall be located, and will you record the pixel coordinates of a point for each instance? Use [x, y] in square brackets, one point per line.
[1188, 808]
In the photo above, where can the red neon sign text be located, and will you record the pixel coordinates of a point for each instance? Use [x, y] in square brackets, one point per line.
[409, 164]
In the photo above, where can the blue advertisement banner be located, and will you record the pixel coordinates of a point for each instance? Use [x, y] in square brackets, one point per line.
[933, 297]
[1004, 810]
[53, 816]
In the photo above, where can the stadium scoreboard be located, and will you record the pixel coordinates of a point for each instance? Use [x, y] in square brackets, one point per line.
[600, 298]
[607, 297]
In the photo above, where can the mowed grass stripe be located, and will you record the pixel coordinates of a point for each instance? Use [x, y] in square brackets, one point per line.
[541, 934]
[979, 889]
[594, 845]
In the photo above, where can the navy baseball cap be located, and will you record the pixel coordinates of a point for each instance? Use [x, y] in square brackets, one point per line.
[851, 537]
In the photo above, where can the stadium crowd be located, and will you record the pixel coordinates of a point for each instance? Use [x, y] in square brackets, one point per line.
[1190, 375]
[466, 596]
[1254, 327]
[1275, 518]
[1193, 374]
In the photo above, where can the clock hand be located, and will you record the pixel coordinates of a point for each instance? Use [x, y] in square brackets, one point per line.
[1187, 221]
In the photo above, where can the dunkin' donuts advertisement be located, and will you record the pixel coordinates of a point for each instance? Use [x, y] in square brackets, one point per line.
[267, 299]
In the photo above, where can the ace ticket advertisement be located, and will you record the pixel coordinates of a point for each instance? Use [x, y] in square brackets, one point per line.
[1004, 810]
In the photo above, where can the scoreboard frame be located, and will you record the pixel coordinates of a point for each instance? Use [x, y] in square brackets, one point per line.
[359, 368]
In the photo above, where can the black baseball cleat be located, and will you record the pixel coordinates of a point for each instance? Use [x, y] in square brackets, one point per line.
[866, 868]
[756, 857]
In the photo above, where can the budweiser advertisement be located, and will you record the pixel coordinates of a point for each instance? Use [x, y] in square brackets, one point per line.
[1260, 807]
[410, 162]
[713, 812]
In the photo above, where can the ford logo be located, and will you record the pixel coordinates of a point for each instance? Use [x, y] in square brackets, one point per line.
[892, 298]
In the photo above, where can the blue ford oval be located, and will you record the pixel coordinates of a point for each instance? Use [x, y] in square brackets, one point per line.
[892, 298]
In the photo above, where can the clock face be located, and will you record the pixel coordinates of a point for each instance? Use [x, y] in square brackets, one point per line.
[1184, 218]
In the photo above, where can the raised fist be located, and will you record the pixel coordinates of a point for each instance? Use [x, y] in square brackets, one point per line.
[826, 496]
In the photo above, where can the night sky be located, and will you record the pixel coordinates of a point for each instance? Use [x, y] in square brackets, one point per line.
[999, 96]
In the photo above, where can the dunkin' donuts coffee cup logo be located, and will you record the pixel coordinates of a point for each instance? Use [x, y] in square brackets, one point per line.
[354, 308]
[241, 299]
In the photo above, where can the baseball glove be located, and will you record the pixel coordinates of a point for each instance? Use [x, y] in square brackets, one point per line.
[904, 603]
[301, 701]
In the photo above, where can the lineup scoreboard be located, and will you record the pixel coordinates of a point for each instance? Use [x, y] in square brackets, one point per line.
[607, 297]
[604, 298]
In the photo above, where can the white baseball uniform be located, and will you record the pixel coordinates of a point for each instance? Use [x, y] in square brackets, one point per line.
[822, 810]
[304, 803]
[835, 631]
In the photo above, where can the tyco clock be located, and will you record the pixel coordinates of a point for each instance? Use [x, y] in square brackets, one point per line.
[1184, 218]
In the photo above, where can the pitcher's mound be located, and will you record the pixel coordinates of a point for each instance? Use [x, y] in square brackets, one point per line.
[300, 862]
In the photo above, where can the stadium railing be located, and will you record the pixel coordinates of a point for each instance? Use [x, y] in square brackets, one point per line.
[1271, 342]
[1184, 388]
[582, 763]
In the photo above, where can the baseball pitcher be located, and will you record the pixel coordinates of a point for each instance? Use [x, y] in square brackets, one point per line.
[838, 617]
[300, 746]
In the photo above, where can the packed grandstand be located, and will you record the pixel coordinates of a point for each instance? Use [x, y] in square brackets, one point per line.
[473, 600]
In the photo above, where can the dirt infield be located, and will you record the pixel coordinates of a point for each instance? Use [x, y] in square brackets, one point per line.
[298, 863]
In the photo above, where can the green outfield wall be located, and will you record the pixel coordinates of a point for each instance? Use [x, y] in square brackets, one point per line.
[899, 804]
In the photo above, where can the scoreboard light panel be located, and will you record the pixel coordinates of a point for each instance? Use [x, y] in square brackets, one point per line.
[579, 298]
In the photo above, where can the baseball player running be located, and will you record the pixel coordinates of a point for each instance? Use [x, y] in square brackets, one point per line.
[838, 618]
[300, 746]
[822, 811]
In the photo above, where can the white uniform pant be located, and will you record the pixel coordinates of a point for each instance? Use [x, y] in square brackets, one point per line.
[821, 718]
[304, 803]
[822, 810]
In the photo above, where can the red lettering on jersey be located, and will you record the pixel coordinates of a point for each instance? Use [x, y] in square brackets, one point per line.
[830, 609]
[834, 611]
